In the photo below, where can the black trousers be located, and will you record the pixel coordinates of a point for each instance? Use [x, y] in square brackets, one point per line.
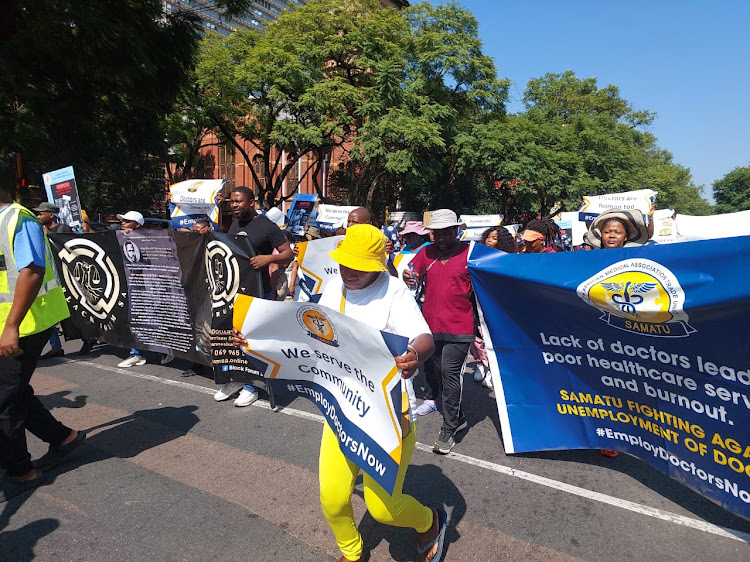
[443, 371]
[20, 410]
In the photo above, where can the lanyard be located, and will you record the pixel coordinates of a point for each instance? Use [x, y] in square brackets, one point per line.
[343, 301]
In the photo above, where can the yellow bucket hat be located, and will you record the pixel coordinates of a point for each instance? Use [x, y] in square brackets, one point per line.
[362, 249]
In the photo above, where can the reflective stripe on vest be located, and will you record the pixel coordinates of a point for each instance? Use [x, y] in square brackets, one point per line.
[49, 306]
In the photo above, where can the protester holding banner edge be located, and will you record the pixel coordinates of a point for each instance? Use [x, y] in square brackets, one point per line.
[369, 294]
[265, 237]
[130, 221]
[47, 215]
[364, 288]
[203, 227]
[499, 238]
[617, 228]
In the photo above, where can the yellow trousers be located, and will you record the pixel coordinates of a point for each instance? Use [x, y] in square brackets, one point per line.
[337, 476]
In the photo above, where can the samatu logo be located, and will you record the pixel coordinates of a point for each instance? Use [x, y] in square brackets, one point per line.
[640, 296]
[317, 325]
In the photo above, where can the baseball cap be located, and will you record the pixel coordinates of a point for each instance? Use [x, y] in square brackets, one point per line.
[48, 207]
[132, 216]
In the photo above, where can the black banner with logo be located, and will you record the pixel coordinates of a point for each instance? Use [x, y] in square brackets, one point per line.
[158, 290]
[227, 262]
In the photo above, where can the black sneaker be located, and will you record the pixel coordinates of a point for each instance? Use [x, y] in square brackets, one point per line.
[59, 352]
[58, 454]
[11, 487]
[445, 442]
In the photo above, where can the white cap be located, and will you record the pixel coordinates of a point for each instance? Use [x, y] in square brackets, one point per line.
[132, 216]
[276, 216]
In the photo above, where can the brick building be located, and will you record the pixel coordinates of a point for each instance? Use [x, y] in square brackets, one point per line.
[223, 161]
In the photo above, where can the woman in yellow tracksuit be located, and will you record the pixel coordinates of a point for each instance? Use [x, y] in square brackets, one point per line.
[369, 294]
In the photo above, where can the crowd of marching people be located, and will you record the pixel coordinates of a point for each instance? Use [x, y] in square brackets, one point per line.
[412, 281]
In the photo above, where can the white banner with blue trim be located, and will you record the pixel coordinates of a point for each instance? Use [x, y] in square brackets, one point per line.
[346, 368]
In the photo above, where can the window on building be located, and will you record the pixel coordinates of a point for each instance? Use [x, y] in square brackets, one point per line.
[260, 172]
[226, 164]
[292, 178]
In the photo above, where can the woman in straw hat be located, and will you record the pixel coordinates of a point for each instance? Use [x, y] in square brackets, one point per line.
[617, 229]
[369, 294]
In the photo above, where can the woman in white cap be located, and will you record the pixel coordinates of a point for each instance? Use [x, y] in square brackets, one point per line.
[130, 221]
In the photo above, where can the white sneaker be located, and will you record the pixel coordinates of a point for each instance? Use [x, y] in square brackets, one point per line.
[487, 382]
[246, 398]
[132, 361]
[227, 390]
[426, 407]
[167, 359]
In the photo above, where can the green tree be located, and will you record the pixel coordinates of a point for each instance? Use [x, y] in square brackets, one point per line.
[732, 192]
[312, 83]
[573, 139]
[86, 84]
[449, 85]
[386, 89]
[187, 130]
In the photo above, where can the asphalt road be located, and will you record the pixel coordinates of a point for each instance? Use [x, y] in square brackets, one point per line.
[169, 474]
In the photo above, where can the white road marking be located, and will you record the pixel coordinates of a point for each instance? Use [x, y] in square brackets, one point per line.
[641, 509]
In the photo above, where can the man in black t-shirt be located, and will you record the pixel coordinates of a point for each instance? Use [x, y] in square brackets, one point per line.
[265, 237]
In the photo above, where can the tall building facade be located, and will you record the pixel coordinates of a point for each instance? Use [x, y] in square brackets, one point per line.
[260, 13]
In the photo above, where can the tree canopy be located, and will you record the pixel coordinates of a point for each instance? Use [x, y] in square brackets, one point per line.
[406, 100]
[387, 89]
[573, 139]
[87, 84]
[732, 192]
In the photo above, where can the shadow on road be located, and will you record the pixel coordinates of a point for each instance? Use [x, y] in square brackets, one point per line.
[61, 400]
[432, 488]
[130, 435]
[19, 545]
[124, 437]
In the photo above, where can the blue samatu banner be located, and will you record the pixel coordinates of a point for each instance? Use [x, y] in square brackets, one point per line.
[643, 350]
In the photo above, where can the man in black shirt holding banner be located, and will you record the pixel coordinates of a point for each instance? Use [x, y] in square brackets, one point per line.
[265, 237]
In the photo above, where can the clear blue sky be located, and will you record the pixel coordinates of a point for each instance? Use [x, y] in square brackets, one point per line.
[688, 61]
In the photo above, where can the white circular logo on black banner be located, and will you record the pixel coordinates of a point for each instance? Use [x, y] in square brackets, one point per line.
[90, 277]
[223, 273]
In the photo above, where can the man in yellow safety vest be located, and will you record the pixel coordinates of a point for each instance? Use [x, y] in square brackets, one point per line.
[31, 303]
